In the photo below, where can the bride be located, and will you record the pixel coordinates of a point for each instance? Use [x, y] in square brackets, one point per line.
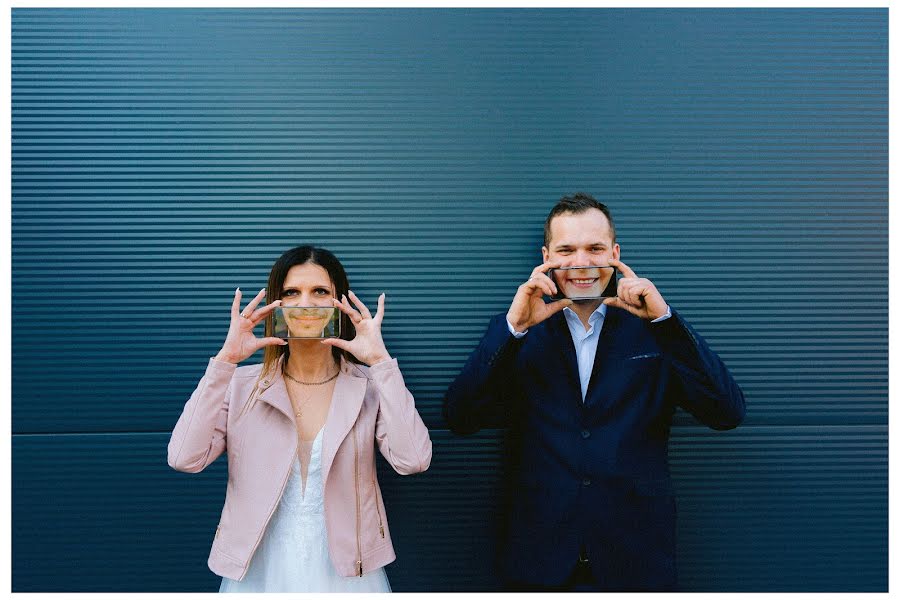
[303, 510]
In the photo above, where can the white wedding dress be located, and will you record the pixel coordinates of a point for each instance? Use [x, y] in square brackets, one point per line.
[293, 553]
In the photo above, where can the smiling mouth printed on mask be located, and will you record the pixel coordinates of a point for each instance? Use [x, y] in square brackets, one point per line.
[588, 282]
[309, 314]
[306, 322]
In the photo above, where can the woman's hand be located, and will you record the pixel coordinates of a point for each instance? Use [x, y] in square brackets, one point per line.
[240, 343]
[367, 346]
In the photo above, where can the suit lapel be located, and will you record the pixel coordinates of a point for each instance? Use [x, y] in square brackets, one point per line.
[562, 338]
[605, 343]
[346, 402]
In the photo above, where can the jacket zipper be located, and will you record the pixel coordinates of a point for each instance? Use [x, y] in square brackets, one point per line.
[271, 512]
[378, 510]
[359, 565]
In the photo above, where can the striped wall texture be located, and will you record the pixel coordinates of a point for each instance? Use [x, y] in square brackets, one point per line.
[161, 158]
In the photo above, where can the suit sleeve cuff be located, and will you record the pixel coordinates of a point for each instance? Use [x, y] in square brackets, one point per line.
[665, 316]
[516, 334]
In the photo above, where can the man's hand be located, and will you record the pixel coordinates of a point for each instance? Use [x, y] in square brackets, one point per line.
[637, 295]
[528, 307]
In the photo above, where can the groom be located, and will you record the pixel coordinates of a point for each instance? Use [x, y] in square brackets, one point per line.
[587, 390]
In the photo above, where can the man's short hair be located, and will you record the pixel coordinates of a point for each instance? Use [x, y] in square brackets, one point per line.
[576, 204]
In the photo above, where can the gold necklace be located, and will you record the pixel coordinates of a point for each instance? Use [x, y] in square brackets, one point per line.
[298, 410]
[323, 382]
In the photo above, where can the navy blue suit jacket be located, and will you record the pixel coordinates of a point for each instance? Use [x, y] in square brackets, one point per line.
[591, 474]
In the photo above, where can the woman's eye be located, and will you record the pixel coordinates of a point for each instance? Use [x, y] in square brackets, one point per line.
[288, 293]
[322, 292]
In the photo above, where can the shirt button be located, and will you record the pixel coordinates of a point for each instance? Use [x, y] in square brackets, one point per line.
[585, 433]
[586, 481]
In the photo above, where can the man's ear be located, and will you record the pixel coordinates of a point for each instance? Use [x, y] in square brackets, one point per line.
[545, 253]
[616, 251]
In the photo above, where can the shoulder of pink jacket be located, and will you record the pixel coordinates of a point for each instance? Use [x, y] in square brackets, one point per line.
[248, 370]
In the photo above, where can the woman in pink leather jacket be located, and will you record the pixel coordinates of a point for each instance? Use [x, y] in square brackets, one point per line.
[303, 510]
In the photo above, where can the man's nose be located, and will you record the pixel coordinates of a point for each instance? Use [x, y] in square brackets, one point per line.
[582, 258]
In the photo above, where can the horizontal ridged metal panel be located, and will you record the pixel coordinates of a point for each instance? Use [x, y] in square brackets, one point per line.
[161, 158]
[760, 508]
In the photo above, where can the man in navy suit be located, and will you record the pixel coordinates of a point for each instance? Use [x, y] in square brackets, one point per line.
[587, 390]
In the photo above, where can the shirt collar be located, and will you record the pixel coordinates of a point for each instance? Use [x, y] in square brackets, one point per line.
[597, 315]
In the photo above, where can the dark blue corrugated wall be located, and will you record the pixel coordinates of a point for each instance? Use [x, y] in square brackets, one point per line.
[160, 158]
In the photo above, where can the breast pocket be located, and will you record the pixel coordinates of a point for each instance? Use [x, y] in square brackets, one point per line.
[626, 378]
[646, 356]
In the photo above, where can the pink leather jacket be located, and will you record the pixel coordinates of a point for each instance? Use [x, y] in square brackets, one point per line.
[369, 405]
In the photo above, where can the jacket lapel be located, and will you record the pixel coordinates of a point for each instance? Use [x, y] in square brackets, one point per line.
[605, 344]
[346, 402]
[273, 391]
[562, 338]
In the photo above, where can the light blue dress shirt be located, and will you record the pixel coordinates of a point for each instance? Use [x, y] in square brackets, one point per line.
[585, 339]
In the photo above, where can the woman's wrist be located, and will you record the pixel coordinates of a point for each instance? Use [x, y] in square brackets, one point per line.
[380, 359]
[222, 357]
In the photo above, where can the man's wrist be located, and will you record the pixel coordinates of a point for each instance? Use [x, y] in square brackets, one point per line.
[513, 330]
[665, 316]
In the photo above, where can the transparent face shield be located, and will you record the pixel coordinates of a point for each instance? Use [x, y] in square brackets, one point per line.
[307, 322]
[584, 283]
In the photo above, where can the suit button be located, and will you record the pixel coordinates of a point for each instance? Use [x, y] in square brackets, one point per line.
[585, 433]
[586, 481]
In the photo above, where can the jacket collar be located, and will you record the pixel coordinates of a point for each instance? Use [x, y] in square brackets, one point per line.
[605, 346]
[346, 402]
[273, 391]
[559, 330]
